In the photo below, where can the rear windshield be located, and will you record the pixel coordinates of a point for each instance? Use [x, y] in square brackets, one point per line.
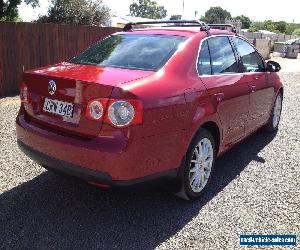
[145, 52]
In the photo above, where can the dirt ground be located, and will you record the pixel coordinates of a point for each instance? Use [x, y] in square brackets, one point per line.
[255, 190]
[288, 65]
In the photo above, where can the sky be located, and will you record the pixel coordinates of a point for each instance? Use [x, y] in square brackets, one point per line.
[257, 10]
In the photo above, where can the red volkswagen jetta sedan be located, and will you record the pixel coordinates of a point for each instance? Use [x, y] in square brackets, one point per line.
[148, 103]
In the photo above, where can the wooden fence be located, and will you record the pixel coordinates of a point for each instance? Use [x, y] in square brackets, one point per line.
[31, 45]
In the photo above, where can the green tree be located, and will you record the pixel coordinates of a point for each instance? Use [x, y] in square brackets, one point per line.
[85, 12]
[277, 27]
[9, 9]
[296, 32]
[270, 26]
[175, 17]
[246, 22]
[258, 25]
[291, 27]
[216, 15]
[281, 26]
[202, 18]
[147, 9]
[253, 28]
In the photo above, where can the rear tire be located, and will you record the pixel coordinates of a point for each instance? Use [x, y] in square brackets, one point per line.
[273, 123]
[198, 166]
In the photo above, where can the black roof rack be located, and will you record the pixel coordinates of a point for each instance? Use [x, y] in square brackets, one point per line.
[173, 23]
[222, 26]
[182, 23]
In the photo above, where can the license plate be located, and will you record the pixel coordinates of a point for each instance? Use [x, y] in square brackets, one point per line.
[58, 107]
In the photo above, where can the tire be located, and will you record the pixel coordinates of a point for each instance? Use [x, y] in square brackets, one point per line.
[198, 167]
[273, 123]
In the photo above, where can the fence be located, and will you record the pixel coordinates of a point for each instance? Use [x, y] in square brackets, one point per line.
[31, 45]
[273, 37]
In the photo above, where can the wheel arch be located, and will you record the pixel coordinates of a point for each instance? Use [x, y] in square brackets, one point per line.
[280, 90]
[214, 129]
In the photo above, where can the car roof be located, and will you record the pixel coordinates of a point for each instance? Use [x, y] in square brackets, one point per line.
[177, 31]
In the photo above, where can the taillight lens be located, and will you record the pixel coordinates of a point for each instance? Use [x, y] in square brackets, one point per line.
[95, 109]
[119, 113]
[124, 113]
[24, 93]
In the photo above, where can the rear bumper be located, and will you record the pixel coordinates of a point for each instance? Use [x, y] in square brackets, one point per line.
[112, 160]
[64, 167]
[85, 174]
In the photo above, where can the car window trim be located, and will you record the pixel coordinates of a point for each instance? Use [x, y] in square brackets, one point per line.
[228, 36]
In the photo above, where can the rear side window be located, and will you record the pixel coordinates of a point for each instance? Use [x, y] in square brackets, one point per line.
[204, 66]
[251, 60]
[132, 51]
[222, 57]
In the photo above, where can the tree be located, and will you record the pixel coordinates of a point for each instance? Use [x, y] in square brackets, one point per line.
[269, 25]
[9, 9]
[87, 12]
[175, 17]
[253, 28]
[281, 26]
[296, 32]
[147, 9]
[291, 27]
[277, 27]
[202, 18]
[258, 25]
[246, 22]
[216, 15]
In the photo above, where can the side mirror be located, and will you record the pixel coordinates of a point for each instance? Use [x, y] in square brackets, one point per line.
[273, 66]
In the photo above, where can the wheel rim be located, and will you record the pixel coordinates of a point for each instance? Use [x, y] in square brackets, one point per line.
[201, 164]
[277, 111]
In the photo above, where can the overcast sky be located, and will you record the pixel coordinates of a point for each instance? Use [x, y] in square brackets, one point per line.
[259, 10]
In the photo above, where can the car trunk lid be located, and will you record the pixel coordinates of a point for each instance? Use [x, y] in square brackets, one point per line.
[75, 85]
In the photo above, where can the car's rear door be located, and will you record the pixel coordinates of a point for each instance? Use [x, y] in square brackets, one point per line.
[218, 68]
[255, 75]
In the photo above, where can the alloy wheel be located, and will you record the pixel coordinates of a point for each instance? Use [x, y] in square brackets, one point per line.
[201, 165]
[277, 111]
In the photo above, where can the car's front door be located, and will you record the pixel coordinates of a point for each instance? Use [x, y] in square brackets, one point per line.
[255, 75]
[218, 69]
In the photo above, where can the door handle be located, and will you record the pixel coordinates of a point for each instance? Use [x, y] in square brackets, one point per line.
[219, 96]
[252, 88]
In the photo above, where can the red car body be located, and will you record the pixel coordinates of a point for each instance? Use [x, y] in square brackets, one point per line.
[176, 102]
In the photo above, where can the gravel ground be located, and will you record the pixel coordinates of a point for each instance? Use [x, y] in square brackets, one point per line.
[255, 190]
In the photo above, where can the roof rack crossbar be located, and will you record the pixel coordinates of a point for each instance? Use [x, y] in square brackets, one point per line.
[182, 23]
[175, 23]
[222, 25]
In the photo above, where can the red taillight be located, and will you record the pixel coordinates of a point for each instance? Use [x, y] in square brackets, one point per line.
[24, 93]
[117, 113]
[124, 113]
[95, 109]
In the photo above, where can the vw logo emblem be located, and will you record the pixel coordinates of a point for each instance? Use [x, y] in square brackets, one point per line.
[51, 87]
